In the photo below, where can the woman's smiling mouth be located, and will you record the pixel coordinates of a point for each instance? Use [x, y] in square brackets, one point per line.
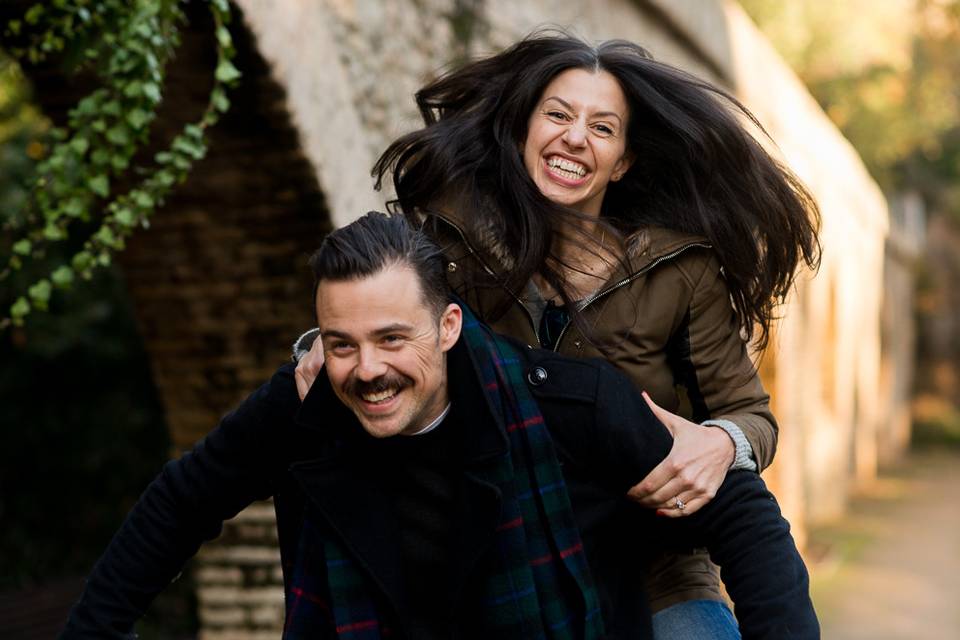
[565, 171]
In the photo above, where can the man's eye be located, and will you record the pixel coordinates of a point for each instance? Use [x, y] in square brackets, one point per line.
[392, 339]
[340, 346]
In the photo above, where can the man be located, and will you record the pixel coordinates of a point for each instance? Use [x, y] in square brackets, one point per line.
[442, 482]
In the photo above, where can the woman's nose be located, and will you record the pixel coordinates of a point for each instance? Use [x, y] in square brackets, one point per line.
[576, 134]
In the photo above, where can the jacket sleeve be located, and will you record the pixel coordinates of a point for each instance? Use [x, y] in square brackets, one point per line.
[711, 360]
[184, 506]
[742, 527]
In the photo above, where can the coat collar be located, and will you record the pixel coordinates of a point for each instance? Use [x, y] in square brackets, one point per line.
[644, 247]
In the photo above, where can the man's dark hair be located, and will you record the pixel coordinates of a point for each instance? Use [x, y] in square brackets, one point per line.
[376, 241]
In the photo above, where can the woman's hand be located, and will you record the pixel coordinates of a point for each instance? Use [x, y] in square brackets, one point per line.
[692, 473]
[308, 368]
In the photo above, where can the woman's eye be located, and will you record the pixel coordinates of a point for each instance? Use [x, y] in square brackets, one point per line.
[603, 129]
[559, 115]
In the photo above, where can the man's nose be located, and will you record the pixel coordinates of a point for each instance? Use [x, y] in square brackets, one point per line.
[369, 364]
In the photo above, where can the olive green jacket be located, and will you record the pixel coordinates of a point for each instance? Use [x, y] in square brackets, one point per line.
[665, 318]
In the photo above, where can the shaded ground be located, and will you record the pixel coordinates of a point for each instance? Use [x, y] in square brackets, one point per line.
[890, 570]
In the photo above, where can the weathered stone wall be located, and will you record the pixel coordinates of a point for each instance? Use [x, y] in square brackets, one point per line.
[828, 345]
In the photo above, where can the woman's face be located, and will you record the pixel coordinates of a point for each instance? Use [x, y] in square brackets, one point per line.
[576, 142]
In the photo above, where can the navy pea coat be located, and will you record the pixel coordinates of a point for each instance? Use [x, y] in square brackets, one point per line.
[606, 439]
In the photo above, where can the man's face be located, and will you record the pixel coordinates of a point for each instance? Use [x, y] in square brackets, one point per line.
[385, 349]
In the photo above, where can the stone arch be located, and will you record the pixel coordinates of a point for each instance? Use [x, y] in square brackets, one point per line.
[220, 288]
[219, 281]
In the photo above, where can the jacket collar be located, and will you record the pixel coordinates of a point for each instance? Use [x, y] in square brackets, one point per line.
[644, 247]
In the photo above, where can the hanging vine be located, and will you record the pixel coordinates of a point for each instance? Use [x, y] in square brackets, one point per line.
[127, 44]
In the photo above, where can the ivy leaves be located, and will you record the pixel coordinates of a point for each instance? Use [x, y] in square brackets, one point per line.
[128, 45]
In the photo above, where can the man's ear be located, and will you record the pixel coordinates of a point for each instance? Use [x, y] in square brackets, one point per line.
[451, 321]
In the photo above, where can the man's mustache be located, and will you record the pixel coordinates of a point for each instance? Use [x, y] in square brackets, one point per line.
[357, 387]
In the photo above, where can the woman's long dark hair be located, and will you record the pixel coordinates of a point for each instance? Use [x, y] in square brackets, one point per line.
[696, 169]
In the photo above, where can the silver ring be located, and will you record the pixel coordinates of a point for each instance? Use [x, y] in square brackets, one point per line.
[680, 504]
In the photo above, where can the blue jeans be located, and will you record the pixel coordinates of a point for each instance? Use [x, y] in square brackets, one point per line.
[695, 620]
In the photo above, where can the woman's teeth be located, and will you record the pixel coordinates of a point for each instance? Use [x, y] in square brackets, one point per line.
[567, 168]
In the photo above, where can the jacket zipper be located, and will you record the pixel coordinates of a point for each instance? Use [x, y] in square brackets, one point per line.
[492, 274]
[624, 282]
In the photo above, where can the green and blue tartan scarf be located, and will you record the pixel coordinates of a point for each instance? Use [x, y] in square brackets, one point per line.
[536, 541]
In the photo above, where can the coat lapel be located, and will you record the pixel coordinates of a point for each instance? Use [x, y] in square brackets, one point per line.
[343, 486]
[345, 492]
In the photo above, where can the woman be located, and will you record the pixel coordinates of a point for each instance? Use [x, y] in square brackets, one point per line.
[594, 201]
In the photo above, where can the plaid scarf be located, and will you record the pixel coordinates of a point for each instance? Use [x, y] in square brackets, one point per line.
[536, 541]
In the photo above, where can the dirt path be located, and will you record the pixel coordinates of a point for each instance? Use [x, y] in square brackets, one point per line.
[891, 569]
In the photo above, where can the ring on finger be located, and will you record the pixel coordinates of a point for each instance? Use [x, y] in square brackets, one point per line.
[679, 504]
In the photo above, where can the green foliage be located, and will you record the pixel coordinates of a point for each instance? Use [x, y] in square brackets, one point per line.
[886, 75]
[940, 431]
[127, 45]
[83, 430]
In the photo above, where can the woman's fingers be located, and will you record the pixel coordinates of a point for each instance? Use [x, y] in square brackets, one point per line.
[675, 476]
[645, 491]
[673, 510]
[665, 494]
[693, 470]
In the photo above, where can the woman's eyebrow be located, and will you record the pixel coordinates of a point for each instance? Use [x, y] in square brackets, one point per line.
[603, 114]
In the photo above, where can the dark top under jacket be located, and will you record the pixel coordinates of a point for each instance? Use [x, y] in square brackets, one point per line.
[424, 489]
[606, 439]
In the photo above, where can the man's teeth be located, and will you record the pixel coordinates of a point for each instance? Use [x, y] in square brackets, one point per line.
[379, 397]
[567, 168]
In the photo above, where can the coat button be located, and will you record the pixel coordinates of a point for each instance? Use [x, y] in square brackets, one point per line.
[577, 344]
[537, 376]
[451, 266]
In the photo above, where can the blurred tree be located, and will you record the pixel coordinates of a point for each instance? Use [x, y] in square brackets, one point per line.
[885, 73]
[78, 409]
[81, 427]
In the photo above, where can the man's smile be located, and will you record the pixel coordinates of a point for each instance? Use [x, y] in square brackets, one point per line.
[381, 395]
